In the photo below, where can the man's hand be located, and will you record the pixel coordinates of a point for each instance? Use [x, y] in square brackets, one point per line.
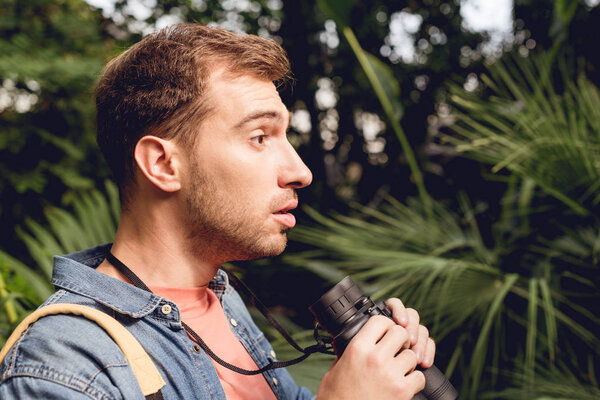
[420, 342]
[377, 364]
[379, 361]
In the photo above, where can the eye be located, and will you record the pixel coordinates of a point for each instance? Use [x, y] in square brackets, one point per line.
[260, 139]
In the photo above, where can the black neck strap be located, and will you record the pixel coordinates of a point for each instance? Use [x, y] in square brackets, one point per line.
[322, 346]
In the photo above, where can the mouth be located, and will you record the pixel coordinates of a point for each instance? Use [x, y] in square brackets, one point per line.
[284, 217]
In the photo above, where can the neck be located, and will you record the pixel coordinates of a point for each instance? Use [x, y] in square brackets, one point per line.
[158, 252]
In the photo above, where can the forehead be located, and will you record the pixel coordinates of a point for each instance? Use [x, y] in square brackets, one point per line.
[234, 97]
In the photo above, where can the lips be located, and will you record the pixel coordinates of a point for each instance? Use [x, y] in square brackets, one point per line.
[284, 217]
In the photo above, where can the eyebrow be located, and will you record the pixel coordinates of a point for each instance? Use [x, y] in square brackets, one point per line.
[262, 115]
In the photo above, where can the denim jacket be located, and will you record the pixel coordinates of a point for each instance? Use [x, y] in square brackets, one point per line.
[69, 357]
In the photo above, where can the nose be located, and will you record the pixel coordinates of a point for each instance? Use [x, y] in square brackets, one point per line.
[294, 173]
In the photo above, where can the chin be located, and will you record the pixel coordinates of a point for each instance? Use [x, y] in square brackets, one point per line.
[265, 248]
[277, 246]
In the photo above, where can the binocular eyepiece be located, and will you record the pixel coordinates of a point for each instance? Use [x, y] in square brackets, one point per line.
[344, 309]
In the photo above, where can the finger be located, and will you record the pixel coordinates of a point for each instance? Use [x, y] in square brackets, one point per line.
[420, 347]
[373, 330]
[394, 340]
[413, 325]
[415, 380]
[407, 360]
[429, 354]
[398, 311]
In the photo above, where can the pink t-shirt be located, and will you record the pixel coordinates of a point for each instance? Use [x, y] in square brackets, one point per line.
[201, 310]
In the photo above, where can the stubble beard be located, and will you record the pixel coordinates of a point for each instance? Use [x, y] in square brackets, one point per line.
[223, 228]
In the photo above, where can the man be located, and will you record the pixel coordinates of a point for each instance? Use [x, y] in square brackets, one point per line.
[194, 130]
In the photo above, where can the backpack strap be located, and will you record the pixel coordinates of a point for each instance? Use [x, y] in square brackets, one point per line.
[144, 370]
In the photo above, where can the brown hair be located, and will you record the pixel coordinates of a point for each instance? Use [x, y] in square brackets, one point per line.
[158, 86]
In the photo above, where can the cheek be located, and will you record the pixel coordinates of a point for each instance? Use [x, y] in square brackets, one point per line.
[249, 171]
[235, 174]
[239, 170]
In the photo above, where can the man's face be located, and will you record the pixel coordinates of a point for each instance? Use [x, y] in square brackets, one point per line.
[242, 173]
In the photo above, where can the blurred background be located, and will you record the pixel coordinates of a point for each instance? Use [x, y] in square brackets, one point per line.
[455, 148]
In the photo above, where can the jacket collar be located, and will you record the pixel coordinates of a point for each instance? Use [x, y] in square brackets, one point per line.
[77, 273]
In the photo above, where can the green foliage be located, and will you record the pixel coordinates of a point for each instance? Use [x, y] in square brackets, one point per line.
[517, 294]
[505, 285]
[21, 290]
[534, 132]
[384, 84]
[51, 54]
[555, 384]
[338, 10]
[462, 289]
[398, 251]
[92, 222]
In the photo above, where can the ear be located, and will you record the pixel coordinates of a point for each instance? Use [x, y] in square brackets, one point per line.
[160, 162]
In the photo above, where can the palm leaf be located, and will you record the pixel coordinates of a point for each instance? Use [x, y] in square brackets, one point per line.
[533, 131]
[550, 384]
[442, 267]
[40, 286]
[92, 222]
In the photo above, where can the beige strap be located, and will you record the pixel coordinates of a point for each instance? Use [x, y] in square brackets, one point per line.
[146, 373]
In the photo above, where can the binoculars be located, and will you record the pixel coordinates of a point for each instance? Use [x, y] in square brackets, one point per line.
[343, 310]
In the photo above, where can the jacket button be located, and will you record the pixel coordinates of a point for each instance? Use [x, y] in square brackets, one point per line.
[166, 309]
[196, 348]
[273, 354]
[275, 381]
[233, 322]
